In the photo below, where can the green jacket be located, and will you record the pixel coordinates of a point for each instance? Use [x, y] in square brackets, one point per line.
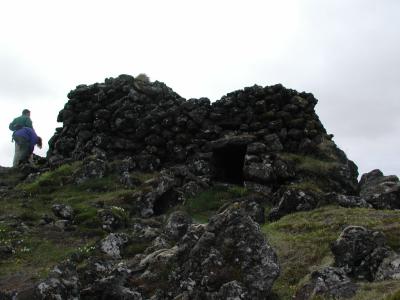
[22, 121]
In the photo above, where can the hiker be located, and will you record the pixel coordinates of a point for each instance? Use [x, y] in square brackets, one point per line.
[22, 121]
[18, 123]
[25, 140]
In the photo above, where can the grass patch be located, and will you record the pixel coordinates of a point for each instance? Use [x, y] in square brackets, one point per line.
[384, 290]
[309, 185]
[318, 172]
[50, 180]
[206, 203]
[39, 247]
[302, 240]
[11, 176]
[143, 177]
[34, 255]
[104, 184]
[135, 248]
[86, 216]
[310, 164]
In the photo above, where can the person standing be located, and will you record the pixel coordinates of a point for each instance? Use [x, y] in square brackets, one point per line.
[18, 123]
[26, 139]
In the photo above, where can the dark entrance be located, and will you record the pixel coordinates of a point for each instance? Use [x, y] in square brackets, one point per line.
[166, 201]
[228, 162]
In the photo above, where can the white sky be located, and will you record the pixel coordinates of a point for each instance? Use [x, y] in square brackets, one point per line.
[346, 52]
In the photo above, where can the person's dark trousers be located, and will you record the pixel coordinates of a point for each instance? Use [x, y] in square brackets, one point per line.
[21, 150]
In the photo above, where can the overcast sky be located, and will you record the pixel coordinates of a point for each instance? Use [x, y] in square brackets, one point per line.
[345, 52]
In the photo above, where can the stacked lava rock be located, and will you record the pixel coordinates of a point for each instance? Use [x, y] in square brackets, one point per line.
[155, 127]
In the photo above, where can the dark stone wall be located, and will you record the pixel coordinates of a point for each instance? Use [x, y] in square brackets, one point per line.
[126, 117]
[155, 127]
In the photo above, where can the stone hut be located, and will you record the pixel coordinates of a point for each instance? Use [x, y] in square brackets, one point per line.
[235, 139]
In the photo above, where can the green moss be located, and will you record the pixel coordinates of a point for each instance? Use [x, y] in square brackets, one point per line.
[310, 164]
[121, 214]
[104, 184]
[302, 240]
[41, 247]
[34, 255]
[12, 176]
[328, 150]
[206, 203]
[86, 216]
[307, 186]
[395, 295]
[29, 216]
[51, 180]
[135, 248]
[380, 290]
[143, 177]
[238, 191]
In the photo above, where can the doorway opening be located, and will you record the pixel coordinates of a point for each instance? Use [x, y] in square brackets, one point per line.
[228, 162]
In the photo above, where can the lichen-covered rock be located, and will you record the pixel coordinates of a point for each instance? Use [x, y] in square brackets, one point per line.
[146, 229]
[232, 291]
[389, 268]
[112, 218]
[177, 225]
[328, 283]
[64, 225]
[249, 206]
[231, 247]
[264, 190]
[62, 283]
[102, 280]
[112, 244]
[273, 143]
[293, 200]
[346, 200]
[360, 251]
[382, 192]
[267, 169]
[6, 251]
[261, 172]
[252, 207]
[167, 190]
[128, 181]
[91, 168]
[160, 197]
[63, 211]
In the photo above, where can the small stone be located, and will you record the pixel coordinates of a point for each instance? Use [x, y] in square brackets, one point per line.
[112, 244]
[329, 283]
[63, 211]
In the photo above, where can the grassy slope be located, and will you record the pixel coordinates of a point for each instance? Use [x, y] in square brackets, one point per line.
[302, 242]
[38, 248]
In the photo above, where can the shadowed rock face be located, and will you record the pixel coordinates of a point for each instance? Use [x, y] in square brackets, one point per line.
[329, 282]
[229, 248]
[234, 136]
[382, 192]
[360, 251]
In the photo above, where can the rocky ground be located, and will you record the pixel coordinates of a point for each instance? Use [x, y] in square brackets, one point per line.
[65, 237]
